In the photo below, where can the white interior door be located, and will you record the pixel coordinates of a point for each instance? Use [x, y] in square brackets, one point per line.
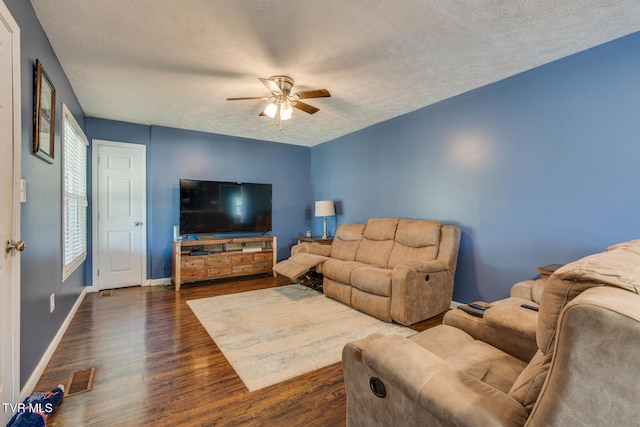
[120, 214]
[9, 211]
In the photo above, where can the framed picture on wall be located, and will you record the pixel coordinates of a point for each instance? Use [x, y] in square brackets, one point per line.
[44, 116]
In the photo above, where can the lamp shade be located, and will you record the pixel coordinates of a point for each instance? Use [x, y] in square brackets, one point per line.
[271, 110]
[286, 110]
[325, 208]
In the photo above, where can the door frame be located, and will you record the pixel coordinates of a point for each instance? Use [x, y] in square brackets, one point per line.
[95, 247]
[14, 353]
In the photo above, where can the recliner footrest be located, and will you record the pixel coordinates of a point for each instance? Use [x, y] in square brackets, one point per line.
[298, 264]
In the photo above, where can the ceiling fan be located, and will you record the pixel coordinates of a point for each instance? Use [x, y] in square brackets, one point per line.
[283, 100]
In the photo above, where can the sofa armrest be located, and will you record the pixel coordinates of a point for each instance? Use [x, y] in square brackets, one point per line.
[506, 326]
[529, 289]
[514, 319]
[453, 397]
[427, 267]
[324, 250]
[420, 290]
[522, 290]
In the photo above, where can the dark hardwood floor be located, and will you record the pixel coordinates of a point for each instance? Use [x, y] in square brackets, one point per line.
[157, 366]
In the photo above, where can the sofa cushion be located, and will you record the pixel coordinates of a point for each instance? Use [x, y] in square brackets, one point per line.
[376, 305]
[377, 242]
[373, 280]
[340, 270]
[474, 357]
[443, 342]
[415, 240]
[346, 241]
[337, 290]
[381, 228]
[488, 364]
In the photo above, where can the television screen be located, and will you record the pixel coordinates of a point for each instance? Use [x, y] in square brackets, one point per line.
[224, 207]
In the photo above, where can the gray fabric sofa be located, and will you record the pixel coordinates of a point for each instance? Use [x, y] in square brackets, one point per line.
[584, 371]
[399, 270]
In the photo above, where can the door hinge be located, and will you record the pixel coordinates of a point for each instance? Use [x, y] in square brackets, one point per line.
[98, 273]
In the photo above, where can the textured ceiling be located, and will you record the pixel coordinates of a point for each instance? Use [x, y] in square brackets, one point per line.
[174, 62]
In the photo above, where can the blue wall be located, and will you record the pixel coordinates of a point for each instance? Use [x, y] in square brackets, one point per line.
[535, 169]
[173, 154]
[41, 215]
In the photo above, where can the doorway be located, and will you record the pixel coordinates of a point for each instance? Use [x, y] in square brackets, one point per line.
[119, 220]
[10, 143]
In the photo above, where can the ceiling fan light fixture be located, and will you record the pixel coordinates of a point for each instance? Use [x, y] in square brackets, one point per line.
[286, 110]
[271, 110]
[283, 100]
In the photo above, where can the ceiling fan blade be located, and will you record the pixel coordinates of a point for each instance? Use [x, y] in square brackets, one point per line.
[271, 85]
[246, 97]
[318, 93]
[305, 107]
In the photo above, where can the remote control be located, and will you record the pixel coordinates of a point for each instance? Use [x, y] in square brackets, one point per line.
[478, 306]
[530, 307]
[472, 311]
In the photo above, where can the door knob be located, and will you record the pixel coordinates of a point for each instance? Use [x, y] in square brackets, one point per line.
[18, 246]
[137, 223]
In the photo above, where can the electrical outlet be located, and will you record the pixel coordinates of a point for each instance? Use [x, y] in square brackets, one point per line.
[52, 303]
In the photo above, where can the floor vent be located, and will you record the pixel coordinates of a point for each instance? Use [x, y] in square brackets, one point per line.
[80, 382]
[106, 293]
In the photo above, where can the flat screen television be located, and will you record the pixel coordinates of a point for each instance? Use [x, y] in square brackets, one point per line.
[212, 207]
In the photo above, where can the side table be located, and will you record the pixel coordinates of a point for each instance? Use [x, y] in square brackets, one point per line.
[547, 270]
[316, 240]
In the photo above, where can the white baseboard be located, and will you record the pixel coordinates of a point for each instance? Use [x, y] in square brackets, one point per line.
[46, 357]
[149, 282]
[165, 281]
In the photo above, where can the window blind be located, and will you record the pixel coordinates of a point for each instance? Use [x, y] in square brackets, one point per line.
[74, 203]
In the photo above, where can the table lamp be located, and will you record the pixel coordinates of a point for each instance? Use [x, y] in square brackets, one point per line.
[325, 208]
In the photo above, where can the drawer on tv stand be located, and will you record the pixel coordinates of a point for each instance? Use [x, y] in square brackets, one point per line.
[242, 259]
[217, 261]
[191, 262]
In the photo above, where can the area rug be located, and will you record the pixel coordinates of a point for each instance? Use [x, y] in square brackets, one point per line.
[274, 334]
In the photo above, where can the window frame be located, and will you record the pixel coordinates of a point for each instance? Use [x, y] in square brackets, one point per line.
[68, 267]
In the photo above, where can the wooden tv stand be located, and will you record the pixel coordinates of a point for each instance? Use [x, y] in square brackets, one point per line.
[217, 258]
